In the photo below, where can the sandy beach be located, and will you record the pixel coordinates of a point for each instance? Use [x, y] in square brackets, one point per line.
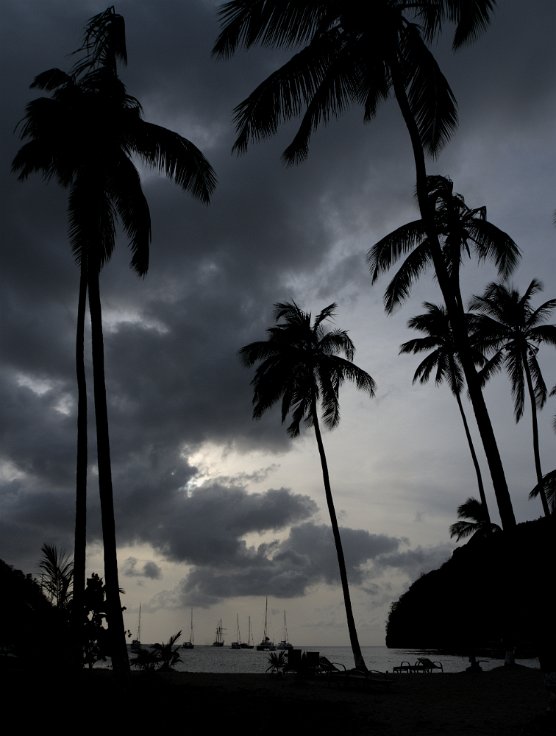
[502, 702]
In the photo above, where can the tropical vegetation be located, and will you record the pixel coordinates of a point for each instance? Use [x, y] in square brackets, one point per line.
[459, 230]
[300, 366]
[86, 135]
[359, 53]
[509, 328]
[443, 361]
[474, 521]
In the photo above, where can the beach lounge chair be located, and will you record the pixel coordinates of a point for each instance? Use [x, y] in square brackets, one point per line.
[426, 665]
[405, 667]
[422, 665]
[327, 667]
[354, 679]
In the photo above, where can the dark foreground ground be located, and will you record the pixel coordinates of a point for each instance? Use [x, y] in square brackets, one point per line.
[502, 702]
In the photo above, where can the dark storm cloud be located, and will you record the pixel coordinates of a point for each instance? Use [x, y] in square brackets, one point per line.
[132, 567]
[306, 558]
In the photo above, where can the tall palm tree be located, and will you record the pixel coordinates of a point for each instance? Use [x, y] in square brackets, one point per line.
[301, 366]
[443, 360]
[357, 52]
[459, 231]
[512, 330]
[86, 135]
[474, 521]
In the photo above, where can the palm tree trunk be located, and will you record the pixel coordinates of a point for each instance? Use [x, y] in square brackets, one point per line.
[536, 450]
[455, 314]
[355, 648]
[119, 655]
[80, 541]
[482, 494]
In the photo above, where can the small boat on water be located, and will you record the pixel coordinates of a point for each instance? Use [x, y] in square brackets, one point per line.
[284, 644]
[237, 643]
[249, 643]
[266, 645]
[189, 644]
[136, 643]
[219, 639]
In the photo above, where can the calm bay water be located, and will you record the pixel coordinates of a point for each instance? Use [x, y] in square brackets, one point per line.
[227, 660]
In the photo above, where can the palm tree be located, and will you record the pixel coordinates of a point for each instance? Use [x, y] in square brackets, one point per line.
[355, 52]
[85, 135]
[510, 328]
[474, 521]
[300, 365]
[548, 487]
[443, 360]
[459, 230]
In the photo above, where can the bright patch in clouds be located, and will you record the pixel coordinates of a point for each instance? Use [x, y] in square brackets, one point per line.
[114, 319]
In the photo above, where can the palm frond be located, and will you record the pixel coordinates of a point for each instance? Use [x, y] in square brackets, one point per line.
[174, 156]
[391, 247]
[548, 485]
[287, 23]
[430, 97]
[471, 18]
[399, 287]
[92, 221]
[51, 79]
[125, 190]
[493, 244]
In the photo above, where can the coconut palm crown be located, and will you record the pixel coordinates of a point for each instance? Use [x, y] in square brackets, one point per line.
[351, 52]
[509, 328]
[442, 360]
[299, 365]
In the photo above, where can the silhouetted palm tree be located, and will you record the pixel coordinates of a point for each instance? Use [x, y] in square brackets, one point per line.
[357, 52]
[300, 365]
[547, 487]
[443, 360]
[459, 231]
[85, 135]
[474, 521]
[510, 328]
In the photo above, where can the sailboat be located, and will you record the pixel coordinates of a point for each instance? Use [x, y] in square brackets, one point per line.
[136, 643]
[189, 644]
[237, 643]
[284, 644]
[249, 643]
[219, 640]
[266, 644]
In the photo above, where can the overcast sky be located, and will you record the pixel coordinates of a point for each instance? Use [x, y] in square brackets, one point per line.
[215, 511]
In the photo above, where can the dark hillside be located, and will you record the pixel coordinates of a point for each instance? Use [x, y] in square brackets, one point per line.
[491, 591]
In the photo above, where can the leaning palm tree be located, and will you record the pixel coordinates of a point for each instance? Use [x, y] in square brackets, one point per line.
[474, 521]
[86, 135]
[443, 361]
[460, 230]
[512, 330]
[358, 53]
[301, 366]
